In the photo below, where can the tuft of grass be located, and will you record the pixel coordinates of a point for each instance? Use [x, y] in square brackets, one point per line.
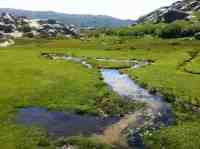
[182, 136]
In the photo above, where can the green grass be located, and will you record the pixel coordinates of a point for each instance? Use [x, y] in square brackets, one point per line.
[165, 77]
[27, 79]
[183, 136]
[193, 66]
[30, 80]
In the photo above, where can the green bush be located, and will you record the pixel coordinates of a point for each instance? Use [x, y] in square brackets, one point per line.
[29, 35]
[197, 36]
[172, 30]
[175, 29]
[25, 28]
[137, 30]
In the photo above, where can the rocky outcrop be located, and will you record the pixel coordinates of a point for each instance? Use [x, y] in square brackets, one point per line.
[17, 26]
[181, 10]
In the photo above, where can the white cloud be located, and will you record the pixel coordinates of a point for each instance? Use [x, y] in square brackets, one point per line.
[124, 9]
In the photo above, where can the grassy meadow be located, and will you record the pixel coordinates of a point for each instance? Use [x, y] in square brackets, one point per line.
[30, 80]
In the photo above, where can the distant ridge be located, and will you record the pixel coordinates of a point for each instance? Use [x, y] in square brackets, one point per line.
[79, 20]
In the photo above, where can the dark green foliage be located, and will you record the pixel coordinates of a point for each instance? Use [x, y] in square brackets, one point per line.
[173, 30]
[164, 30]
[25, 28]
[197, 36]
[29, 35]
[179, 29]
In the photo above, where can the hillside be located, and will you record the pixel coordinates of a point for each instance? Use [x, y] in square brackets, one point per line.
[180, 10]
[79, 20]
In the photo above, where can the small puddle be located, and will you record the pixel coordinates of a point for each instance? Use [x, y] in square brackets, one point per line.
[63, 124]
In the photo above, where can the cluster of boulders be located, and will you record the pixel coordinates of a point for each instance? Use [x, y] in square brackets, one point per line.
[181, 10]
[12, 26]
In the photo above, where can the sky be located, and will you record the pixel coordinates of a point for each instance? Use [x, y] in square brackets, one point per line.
[124, 9]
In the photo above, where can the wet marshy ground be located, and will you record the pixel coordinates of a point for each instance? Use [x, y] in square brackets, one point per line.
[156, 113]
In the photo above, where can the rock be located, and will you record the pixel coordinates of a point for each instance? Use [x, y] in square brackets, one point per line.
[7, 18]
[18, 26]
[180, 10]
[66, 146]
[172, 15]
[7, 43]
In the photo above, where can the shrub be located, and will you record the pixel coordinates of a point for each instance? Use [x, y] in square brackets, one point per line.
[29, 35]
[25, 28]
[197, 36]
[172, 30]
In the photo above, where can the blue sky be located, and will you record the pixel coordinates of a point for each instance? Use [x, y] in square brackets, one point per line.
[124, 9]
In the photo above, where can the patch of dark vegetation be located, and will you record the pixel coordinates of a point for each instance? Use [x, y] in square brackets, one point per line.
[192, 55]
[176, 29]
[191, 72]
[82, 143]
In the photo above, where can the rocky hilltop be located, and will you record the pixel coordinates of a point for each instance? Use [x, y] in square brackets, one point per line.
[80, 20]
[180, 10]
[18, 26]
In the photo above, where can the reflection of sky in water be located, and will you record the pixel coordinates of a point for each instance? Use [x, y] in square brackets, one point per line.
[124, 86]
[63, 124]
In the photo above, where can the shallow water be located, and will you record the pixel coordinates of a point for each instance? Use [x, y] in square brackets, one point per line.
[126, 87]
[63, 124]
[156, 114]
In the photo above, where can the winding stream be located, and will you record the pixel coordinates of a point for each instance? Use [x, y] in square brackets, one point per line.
[156, 113]
[126, 87]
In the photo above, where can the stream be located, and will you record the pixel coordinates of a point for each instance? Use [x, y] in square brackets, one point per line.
[156, 113]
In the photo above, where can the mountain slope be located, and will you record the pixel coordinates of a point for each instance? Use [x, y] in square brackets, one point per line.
[80, 20]
[180, 10]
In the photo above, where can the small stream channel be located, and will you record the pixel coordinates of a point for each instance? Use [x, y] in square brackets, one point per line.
[156, 114]
[126, 87]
